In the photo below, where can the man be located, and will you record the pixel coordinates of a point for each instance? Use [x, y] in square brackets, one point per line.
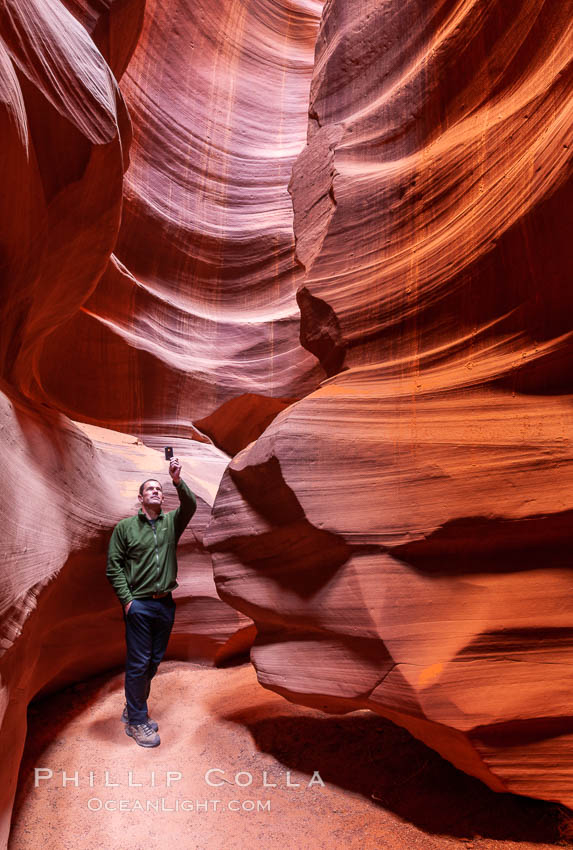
[142, 568]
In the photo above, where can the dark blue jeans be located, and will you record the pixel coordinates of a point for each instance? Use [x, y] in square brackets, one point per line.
[147, 629]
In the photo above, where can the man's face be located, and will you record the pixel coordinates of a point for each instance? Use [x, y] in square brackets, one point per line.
[152, 495]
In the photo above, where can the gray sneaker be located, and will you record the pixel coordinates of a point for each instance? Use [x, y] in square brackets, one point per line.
[152, 723]
[143, 734]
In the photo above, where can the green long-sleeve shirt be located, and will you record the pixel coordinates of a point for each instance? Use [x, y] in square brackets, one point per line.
[141, 559]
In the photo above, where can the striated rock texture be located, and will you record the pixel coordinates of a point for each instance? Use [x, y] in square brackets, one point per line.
[198, 302]
[66, 486]
[402, 536]
[149, 275]
[189, 245]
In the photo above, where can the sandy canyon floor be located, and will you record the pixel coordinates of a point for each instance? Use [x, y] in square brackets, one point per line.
[381, 787]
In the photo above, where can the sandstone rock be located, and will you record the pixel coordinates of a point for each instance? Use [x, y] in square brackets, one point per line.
[401, 536]
[241, 420]
[66, 487]
[412, 570]
[200, 296]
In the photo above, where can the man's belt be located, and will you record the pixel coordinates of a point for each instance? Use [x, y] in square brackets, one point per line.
[154, 595]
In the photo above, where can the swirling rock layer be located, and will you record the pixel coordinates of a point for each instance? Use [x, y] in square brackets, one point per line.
[197, 304]
[401, 536]
[137, 299]
[66, 487]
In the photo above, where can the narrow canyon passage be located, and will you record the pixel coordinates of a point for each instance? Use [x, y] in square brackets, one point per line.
[355, 781]
[323, 251]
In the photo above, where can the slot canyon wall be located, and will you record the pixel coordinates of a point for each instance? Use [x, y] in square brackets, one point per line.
[414, 558]
[325, 253]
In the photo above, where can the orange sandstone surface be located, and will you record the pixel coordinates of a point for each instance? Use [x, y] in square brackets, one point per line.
[402, 536]
[324, 252]
[239, 767]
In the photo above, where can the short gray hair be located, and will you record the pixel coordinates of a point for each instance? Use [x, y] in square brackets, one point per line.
[146, 481]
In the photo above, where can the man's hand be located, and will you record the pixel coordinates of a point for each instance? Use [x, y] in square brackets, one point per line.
[127, 607]
[175, 470]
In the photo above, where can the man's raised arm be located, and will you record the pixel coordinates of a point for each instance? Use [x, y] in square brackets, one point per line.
[187, 501]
